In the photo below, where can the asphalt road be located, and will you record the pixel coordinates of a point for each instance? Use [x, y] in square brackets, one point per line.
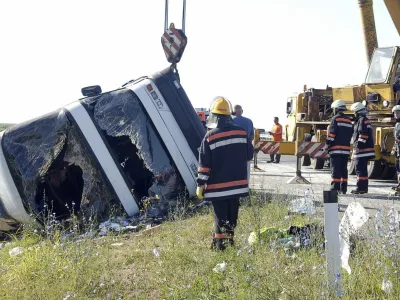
[274, 179]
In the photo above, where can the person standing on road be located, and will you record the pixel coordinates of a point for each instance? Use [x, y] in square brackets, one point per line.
[396, 146]
[247, 125]
[276, 137]
[338, 144]
[202, 117]
[222, 174]
[363, 146]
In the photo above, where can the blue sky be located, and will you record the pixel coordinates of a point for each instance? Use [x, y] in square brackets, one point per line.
[255, 52]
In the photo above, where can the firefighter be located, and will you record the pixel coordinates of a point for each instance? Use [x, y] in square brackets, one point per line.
[363, 149]
[222, 174]
[338, 144]
[396, 146]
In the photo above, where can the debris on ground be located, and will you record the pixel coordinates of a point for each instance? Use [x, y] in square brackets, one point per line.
[156, 252]
[393, 217]
[387, 286]
[16, 251]
[117, 244]
[220, 268]
[303, 205]
[118, 225]
[294, 236]
[267, 234]
[354, 218]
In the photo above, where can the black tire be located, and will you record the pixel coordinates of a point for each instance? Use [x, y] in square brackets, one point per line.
[375, 168]
[317, 164]
[389, 171]
[306, 161]
[351, 167]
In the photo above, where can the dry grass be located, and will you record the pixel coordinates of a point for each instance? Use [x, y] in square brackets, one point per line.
[96, 269]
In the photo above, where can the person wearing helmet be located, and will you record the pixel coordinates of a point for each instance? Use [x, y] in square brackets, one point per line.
[396, 146]
[363, 149]
[338, 144]
[222, 173]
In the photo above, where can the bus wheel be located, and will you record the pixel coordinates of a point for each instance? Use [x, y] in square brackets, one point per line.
[375, 168]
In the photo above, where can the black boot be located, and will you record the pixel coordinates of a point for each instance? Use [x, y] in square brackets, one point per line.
[219, 245]
[357, 192]
[396, 188]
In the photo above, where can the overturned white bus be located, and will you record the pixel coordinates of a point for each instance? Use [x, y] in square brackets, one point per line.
[111, 148]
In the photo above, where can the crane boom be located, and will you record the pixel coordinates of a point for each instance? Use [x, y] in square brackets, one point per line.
[393, 6]
[368, 25]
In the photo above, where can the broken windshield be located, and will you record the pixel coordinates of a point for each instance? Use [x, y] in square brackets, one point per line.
[54, 170]
[380, 66]
[136, 145]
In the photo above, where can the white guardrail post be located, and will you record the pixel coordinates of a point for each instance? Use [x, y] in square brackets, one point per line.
[332, 246]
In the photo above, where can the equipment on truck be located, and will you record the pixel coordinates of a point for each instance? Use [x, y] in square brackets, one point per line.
[309, 112]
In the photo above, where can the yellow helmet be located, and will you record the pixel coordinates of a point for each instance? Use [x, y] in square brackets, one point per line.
[221, 106]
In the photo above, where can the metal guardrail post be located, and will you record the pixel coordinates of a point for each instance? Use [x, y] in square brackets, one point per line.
[332, 245]
[298, 178]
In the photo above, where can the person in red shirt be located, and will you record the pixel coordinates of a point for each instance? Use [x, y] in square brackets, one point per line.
[276, 137]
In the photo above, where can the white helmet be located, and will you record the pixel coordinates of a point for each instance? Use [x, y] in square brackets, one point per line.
[356, 107]
[396, 108]
[338, 104]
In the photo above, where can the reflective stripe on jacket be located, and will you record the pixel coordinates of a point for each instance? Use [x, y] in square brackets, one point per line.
[363, 139]
[339, 135]
[397, 138]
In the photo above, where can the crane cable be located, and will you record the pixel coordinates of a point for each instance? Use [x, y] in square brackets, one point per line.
[183, 16]
[166, 16]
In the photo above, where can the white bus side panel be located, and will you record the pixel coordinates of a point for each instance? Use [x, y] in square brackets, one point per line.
[104, 157]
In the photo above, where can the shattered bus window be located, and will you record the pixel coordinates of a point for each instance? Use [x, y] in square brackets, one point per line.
[54, 170]
[134, 142]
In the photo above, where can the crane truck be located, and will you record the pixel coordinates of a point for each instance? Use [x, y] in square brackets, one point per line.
[309, 112]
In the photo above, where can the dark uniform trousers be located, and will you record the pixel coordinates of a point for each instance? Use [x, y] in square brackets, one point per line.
[362, 173]
[226, 215]
[339, 172]
[278, 157]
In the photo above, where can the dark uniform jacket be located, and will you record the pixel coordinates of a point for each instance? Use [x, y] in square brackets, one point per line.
[224, 153]
[362, 139]
[339, 135]
[397, 138]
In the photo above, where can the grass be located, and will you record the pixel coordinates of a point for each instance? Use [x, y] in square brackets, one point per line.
[96, 268]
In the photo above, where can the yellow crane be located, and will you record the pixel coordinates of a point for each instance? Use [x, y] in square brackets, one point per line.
[309, 112]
